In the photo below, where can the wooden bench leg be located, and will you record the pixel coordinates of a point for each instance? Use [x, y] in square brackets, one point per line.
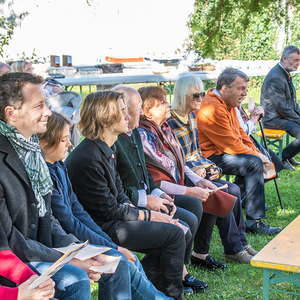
[266, 283]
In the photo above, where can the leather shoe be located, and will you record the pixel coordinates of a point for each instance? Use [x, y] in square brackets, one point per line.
[209, 263]
[260, 227]
[292, 161]
[196, 285]
[287, 165]
[187, 291]
[243, 257]
[250, 250]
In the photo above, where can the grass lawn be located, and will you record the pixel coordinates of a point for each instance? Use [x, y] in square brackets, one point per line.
[244, 281]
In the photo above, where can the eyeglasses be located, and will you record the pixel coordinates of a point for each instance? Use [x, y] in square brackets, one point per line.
[197, 96]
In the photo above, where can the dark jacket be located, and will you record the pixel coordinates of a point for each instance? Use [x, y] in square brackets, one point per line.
[70, 213]
[97, 184]
[30, 237]
[278, 99]
[132, 167]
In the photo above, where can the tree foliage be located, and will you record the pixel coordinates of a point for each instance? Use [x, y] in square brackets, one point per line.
[243, 29]
[6, 31]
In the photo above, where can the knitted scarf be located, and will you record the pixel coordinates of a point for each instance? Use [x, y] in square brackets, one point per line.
[31, 156]
[166, 145]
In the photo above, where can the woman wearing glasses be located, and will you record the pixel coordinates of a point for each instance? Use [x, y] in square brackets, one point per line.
[188, 94]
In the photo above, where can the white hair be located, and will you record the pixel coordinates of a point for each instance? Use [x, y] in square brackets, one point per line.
[182, 87]
[127, 91]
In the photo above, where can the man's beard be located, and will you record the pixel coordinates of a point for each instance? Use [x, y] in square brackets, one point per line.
[290, 69]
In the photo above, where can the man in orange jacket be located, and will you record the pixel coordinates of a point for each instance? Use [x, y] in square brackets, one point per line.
[225, 143]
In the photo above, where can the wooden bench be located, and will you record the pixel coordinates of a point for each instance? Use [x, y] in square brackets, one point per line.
[274, 137]
[281, 254]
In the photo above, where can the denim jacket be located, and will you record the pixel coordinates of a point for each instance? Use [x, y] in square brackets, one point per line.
[70, 213]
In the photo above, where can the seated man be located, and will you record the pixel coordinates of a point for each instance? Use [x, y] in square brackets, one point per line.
[143, 191]
[225, 143]
[25, 188]
[279, 100]
[249, 126]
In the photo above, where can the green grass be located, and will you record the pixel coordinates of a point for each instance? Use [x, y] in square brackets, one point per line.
[244, 281]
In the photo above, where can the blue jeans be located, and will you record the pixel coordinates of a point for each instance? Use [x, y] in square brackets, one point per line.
[141, 286]
[249, 171]
[128, 282]
[71, 282]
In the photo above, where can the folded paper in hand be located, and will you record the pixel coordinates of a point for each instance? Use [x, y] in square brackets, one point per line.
[88, 252]
[80, 251]
[72, 251]
[111, 263]
[225, 186]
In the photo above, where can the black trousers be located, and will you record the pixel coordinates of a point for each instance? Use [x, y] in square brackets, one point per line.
[293, 129]
[189, 210]
[164, 245]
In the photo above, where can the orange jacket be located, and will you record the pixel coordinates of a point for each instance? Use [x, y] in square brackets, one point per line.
[220, 130]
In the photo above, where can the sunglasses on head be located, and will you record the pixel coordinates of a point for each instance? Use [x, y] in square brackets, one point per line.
[197, 96]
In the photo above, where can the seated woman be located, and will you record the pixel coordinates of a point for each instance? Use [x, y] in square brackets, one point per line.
[129, 280]
[12, 268]
[188, 94]
[92, 170]
[22, 66]
[166, 165]
[249, 126]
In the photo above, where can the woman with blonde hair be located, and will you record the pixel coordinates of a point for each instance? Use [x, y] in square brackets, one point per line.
[21, 66]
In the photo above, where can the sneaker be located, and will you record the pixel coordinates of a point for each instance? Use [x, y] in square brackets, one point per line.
[250, 250]
[243, 257]
[260, 227]
[287, 165]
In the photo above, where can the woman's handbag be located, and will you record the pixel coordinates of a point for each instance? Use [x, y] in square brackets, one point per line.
[219, 204]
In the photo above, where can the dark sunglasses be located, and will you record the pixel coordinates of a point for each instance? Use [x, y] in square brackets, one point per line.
[197, 96]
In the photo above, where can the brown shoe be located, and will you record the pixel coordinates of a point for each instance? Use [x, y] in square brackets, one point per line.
[243, 257]
[250, 250]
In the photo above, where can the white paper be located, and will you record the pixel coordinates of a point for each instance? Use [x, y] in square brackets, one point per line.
[110, 266]
[71, 252]
[86, 253]
[219, 188]
[270, 171]
[251, 104]
[184, 228]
